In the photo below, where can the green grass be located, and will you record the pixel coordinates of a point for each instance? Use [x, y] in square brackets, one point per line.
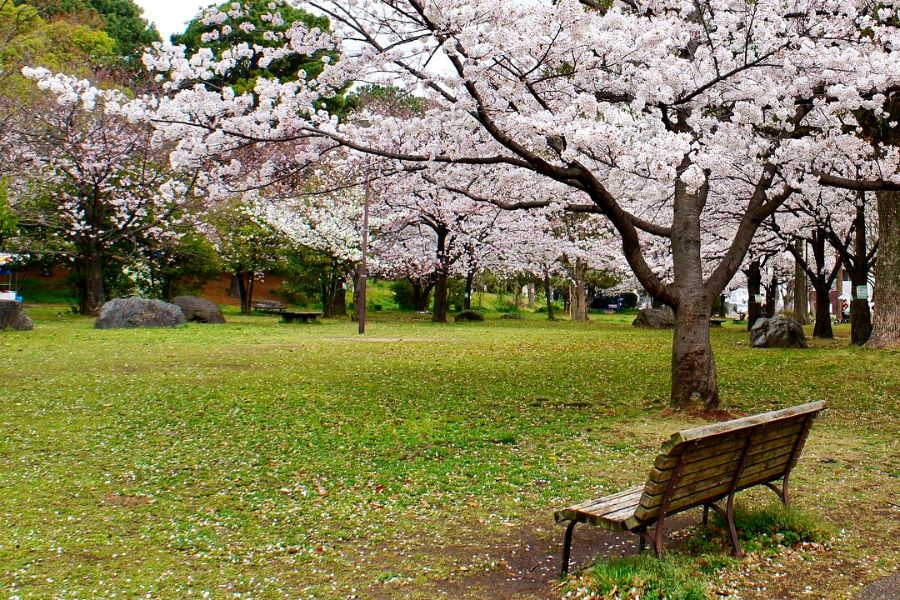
[670, 578]
[274, 460]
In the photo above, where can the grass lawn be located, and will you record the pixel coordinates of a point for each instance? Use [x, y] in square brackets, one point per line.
[268, 460]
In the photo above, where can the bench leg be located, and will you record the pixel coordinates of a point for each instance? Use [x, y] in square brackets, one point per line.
[567, 549]
[705, 514]
[642, 541]
[728, 515]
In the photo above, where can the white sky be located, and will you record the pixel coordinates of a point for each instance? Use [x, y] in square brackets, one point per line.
[170, 16]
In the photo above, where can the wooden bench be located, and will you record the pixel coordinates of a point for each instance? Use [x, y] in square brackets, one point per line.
[716, 322]
[303, 317]
[699, 467]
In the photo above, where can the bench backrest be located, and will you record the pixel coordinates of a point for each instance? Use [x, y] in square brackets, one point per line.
[705, 464]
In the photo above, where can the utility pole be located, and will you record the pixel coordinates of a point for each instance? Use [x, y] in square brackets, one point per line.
[363, 274]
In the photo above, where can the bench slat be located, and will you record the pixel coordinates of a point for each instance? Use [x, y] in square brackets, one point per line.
[600, 506]
[712, 447]
[728, 468]
[696, 493]
[659, 476]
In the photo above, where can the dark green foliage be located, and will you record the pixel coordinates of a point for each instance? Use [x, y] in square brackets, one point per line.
[179, 267]
[244, 75]
[403, 294]
[122, 20]
[456, 293]
[9, 222]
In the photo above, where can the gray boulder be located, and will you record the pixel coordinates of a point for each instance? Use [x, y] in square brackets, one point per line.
[468, 315]
[12, 316]
[131, 313]
[199, 310]
[777, 332]
[655, 318]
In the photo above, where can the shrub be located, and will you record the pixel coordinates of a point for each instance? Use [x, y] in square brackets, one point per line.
[403, 294]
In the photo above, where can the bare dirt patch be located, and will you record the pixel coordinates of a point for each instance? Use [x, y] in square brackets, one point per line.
[524, 563]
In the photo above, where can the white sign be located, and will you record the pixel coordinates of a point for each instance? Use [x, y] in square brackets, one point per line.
[862, 292]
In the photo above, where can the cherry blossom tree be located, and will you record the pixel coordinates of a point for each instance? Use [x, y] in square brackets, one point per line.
[91, 177]
[663, 115]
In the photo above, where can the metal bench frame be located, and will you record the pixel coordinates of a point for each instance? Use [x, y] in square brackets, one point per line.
[687, 441]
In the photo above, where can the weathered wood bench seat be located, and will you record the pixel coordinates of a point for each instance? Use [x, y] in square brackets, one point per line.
[699, 467]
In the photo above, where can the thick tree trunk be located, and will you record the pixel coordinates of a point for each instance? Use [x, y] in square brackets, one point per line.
[439, 314]
[860, 316]
[823, 327]
[886, 322]
[754, 285]
[578, 306]
[801, 287]
[694, 376]
[531, 294]
[548, 292]
[91, 267]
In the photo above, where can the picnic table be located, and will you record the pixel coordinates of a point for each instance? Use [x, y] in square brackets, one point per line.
[700, 467]
[269, 306]
[304, 317]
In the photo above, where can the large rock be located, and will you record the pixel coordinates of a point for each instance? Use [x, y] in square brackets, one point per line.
[777, 332]
[468, 315]
[130, 313]
[12, 316]
[655, 318]
[199, 310]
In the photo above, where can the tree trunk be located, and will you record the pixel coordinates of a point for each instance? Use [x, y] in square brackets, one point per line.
[92, 293]
[772, 297]
[339, 300]
[548, 291]
[245, 290]
[327, 297]
[440, 282]
[531, 294]
[470, 279]
[801, 287]
[823, 327]
[886, 325]
[694, 375]
[822, 285]
[860, 316]
[754, 283]
[421, 294]
[578, 307]
[439, 314]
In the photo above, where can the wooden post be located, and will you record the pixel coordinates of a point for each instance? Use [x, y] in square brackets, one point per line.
[361, 308]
